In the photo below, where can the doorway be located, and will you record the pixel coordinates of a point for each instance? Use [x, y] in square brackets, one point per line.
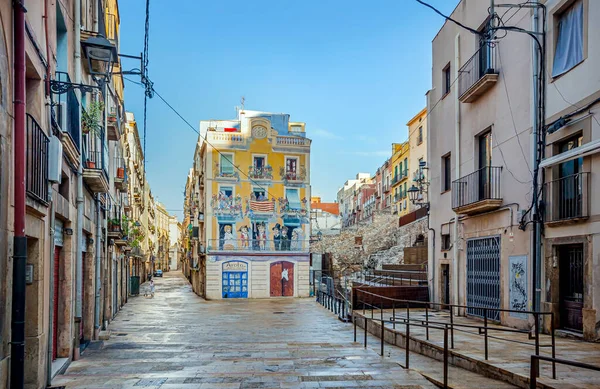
[570, 262]
[56, 284]
[445, 285]
[282, 279]
[483, 276]
[485, 162]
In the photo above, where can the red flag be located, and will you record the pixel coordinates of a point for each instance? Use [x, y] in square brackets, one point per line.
[262, 206]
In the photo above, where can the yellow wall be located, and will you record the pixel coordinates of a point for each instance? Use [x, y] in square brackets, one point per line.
[400, 157]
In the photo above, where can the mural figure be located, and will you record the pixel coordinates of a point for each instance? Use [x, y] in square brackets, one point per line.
[228, 238]
[296, 243]
[244, 236]
[285, 239]
[277, 236]
[262, 236]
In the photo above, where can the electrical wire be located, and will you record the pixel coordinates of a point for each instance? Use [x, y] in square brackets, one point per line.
[449, 18]
[145, 73]
[257, 184]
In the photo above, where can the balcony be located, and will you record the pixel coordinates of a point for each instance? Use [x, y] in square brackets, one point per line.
[226, 173]
[37, 162]
[264, 173]
[293, 213]
[260, 208]
[294, 244]
[567, 199]
[229, 140]
[386, 188]
[95, 155]
[293, 178]
[114, 223]
[113, 117]
[295, 144]
[65, 116]
[112, 29]
[120, 174]
[478, 75]
[477, 192]
[227, 207]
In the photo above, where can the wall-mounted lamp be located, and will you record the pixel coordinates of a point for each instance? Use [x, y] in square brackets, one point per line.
[90, 241]
[68, 231]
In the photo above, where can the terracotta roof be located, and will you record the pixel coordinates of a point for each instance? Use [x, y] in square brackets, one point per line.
[332, 208]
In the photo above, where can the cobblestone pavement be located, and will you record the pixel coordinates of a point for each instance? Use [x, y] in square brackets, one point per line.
[178, 340]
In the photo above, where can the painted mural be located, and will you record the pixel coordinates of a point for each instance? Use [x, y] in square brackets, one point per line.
[518, 285]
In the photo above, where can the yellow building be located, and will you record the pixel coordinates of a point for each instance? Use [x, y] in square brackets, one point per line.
[400, 182]
[254, 187]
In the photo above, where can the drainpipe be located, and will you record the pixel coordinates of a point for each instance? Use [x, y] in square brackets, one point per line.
[51, 276]
[97, 284]
[455, 268]
[79, 200]
[536, 231]
[17, 341]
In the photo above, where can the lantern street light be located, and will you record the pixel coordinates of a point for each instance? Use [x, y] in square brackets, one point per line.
[413, 194]
[100, 54]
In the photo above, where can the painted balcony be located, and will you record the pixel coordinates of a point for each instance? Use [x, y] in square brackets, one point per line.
[293, 213]
[267, 246]
[264, 173]
[222, 173]
[478, 74]
[226, 207]
[293, 178]
[477, 192]
[567, 199]
[261, 209]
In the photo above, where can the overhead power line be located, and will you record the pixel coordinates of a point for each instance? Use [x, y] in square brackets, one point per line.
[449, 18]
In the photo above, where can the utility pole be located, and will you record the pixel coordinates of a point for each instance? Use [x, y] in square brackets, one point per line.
[17, 341]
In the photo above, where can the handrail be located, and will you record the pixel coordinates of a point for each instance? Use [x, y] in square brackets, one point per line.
[534, 367]
[481, 329]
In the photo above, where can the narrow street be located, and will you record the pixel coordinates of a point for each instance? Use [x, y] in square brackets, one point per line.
[178, 340]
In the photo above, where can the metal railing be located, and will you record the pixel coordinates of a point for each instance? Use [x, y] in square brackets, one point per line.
[534, 367]
[481, 63]
[95, 153]
[336, 304]
[66, 111]
[37, 161]
[567, 197]
[366, 300]
[260, 173]
[392, 277]
[482, 184]
[257, 245]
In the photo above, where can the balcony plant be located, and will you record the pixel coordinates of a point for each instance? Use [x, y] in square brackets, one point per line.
[91, 117]
[120, 172]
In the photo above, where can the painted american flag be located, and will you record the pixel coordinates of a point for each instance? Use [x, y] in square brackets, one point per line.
[262, 206]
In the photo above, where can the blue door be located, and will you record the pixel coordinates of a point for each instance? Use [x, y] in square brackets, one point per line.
[235, 284]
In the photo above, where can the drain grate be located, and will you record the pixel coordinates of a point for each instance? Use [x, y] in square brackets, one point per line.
[150, 382]
[278, 312]
[121, 334]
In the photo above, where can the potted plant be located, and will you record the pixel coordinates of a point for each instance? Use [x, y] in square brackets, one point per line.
[120, 172]
[90, 117]
[91, 164]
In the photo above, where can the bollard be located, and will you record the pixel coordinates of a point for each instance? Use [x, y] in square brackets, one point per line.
[485, 332]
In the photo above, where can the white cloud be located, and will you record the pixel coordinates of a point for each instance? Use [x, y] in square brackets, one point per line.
[319, 133]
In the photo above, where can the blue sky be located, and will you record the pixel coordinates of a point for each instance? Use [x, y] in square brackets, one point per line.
[354, 71]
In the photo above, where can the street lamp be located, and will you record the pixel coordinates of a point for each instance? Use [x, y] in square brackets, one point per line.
[413, 194]
[100, 54]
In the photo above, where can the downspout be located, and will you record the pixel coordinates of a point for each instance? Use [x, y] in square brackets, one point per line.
[17, 341]
[455, 267]
[432, 267]
[97, 284]
[51, 274]
[79, 200]
[535, 233]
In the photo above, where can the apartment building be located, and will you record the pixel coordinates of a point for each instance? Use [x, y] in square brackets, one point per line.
[400, 181]
[571, 250]
[249, 206]
[480, 183]
[417, 157]
[346, 198]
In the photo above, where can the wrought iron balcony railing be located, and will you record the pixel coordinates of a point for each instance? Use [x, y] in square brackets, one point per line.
[66, 111]
[37, 161]
[260, 173]
[258, 245]
[479, 186]
[567, 198]
[478, 74]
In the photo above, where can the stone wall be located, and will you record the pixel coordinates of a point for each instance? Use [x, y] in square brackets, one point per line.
[407, 237]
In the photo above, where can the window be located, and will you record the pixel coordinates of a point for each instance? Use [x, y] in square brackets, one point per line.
[227, 164]
[405, 191]
[447, 79]
[259, 163]
[445, 242]
[260, 194]
[569, 43]
[226, 190]
[293, 198]
[420, 138]
[446, 173]
[405, 166]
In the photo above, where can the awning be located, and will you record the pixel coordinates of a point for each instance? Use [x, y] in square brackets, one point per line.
[578, 152]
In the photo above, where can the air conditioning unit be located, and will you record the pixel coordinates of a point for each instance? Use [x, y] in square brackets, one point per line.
[62, 115]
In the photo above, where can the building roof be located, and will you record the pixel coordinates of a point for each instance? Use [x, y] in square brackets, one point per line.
[332, 208]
